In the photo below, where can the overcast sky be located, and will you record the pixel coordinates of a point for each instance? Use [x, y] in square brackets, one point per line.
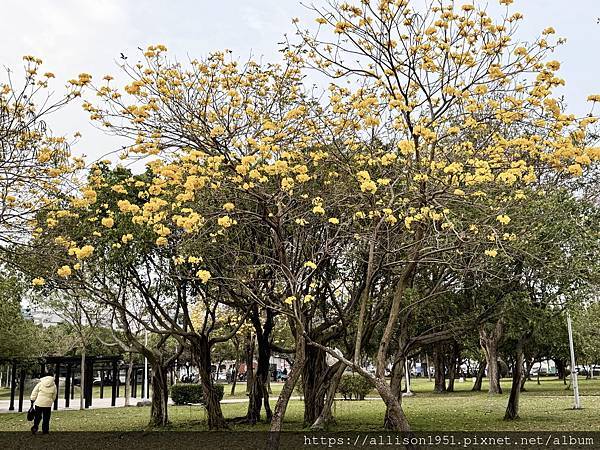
[74, 36]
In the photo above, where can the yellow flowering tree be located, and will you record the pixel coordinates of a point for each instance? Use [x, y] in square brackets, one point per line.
[36, 165]
[466, 119]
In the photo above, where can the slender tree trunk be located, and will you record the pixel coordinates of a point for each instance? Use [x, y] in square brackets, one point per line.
[234, 376]
[527, 374]
[512, 409]
[286, 392]
[159, 416]
[128, 381]
[480, 375]
[249, 347]
[392, 321]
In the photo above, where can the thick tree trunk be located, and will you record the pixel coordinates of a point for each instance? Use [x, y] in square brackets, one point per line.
[313, 384]
[489, 342]
[453, 366]
[438, 365]
[480, 375]
[396, 420]
[326, 417]
[396, 390]
[561, 370]
[159, 416]
[216, 421]
[286, 392]
[258, 395]
[512, 409]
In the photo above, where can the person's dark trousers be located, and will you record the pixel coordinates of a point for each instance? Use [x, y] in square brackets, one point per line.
[43, 415]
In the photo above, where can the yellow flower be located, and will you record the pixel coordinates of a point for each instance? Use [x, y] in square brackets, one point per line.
[126, 238]
[161, 241]
[38, 281]
[318, 210]
[575, 169]
[334, 220]
[368, 186]
[204, 275]
[229, 207]
[291, 299]
[108, 222]
[307, 298]
[493, 253]
[503, 219]
[226, 221]
[84, 252]
[310, 264]
[194, 260]
[64, 272]
[594, 98]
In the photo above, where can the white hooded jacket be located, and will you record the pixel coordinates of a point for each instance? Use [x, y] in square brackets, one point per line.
[44, 392]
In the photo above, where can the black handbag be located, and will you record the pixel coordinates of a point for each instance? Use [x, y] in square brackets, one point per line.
[31, 413]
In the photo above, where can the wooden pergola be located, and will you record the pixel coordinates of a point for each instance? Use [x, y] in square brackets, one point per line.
[109, 367]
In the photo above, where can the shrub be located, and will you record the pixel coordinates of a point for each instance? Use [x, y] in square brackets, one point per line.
[352, 385]
[185, 393]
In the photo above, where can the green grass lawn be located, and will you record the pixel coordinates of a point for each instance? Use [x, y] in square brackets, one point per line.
[543, 407]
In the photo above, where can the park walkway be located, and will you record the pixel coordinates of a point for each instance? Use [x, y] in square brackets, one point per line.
[98, 403]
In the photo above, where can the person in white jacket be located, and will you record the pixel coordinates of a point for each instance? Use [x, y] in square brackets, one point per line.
[42, 397]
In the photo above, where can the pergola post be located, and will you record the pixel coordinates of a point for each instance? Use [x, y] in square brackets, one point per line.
[89, 374]
[73, 386]
[144, 374]
[101, 383]
[113, 401]
[134, 383]
[118, 381]
[13, 385]
[68, 386]
[57, 382]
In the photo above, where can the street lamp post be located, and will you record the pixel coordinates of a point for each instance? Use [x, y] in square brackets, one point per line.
[573, 368]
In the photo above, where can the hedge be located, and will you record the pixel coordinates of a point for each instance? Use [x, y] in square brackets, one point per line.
[352, 385]
[186, 393]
